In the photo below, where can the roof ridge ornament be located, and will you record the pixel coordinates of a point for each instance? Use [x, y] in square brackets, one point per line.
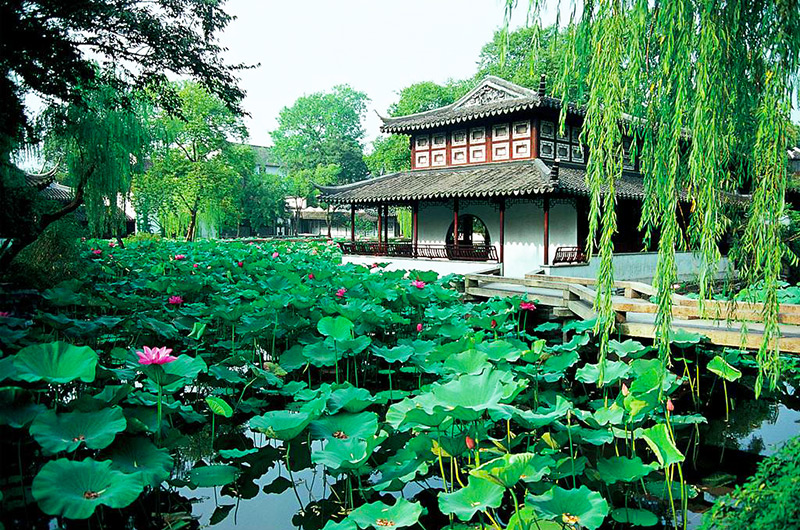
[542, 85]
[488, 93]
[554, 171]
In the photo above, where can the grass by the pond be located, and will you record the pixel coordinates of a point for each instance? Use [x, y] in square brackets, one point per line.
[422, 411]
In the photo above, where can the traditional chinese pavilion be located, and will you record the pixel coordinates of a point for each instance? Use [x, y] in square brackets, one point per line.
[493, 180]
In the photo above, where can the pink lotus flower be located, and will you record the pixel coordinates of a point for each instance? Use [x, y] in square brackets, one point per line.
[419, 327]
[625, 390]
[527, 306]
[4, 314]
[180, 256]
[310, 275]
[341, 292]
[470, 443]
[97, 252]
[175, 300]
[670, 405]
[419, 284]
[196, 265]
[275, 255]
[494, 323]
[240, 263]
[375, 266]
[155, 355]
[112, 244]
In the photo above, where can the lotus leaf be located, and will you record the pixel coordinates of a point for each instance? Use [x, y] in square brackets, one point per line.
[478, 495]
[67, 431]
[547, 326]
[74, 489]
[509, 469]
[346, 524]
[612, 371]
[580, 326]
[281, 424]
[469, 396]
[685, 339]
[398, 354]
[350, 399]
[56, 362]
[343, 426]
[471, 361]
[219, 406]
[19, 415]
[623, 349]
[322, 353]
[622, 469]
[344, 455]
[661, 443]
[558, 364]
[723, 369]
[138, 456]
[379, 515]
[405, 465]
[543, 415]
[7, 369]
[338, 328]
[212, 476]
[580, 506]
[634, 516]
[526, 519]
[501, 350]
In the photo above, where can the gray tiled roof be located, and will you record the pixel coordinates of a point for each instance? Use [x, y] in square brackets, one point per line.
[492, 97]
[506, 179]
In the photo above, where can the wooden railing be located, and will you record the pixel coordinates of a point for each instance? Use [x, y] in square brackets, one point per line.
[576, 296]
[569, 255]
[407, 249]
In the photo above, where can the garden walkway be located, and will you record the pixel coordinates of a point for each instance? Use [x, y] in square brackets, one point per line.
[721, 322]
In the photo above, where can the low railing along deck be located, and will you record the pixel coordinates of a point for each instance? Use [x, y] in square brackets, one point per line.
[407, 249]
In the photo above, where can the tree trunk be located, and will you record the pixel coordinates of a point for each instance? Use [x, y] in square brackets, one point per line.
[328, 221]
[192, 227]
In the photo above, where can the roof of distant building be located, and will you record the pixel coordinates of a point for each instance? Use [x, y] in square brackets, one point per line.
[265, 156]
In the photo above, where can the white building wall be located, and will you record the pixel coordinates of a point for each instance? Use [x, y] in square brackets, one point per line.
[638, 266]
[524, 230]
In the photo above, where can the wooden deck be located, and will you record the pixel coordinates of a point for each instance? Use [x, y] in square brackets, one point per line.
[721, 322]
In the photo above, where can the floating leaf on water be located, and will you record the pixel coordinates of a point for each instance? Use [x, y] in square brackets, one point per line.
[344, 425]
[478, 495]
[350, 399]
[56, 362]
[613, 371]
[574, 507]
[74, 489]
[685, 339]
[212, 476]
[140, 457]
[378, 515]
[67, 431]
[471, 361]
[398, 354]
[626, 348]
[634, 516]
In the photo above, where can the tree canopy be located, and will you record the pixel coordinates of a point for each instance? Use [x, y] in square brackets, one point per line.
[321, 129]
[196, 167]
[712, 82]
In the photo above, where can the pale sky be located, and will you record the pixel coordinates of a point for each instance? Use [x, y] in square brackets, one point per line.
[375, 46]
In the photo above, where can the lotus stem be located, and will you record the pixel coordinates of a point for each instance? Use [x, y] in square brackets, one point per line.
[158, 415]
[213, 417]
[516, 506]
[439, 456]
[571, 451]
[725, 390]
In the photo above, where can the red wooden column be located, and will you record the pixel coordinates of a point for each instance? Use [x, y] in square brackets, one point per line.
[380, 226]
[352, 222]
[547, 230]
[455, 222]
[386, 225]
[502, 229]
[415, 225]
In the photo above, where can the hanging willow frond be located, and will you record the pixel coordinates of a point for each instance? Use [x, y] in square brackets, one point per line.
[710, 84]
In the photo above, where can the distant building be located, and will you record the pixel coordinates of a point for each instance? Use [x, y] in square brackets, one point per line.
[266, 161]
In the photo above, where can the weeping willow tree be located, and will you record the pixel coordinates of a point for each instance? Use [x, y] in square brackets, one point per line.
[704, 87]
[95, 146]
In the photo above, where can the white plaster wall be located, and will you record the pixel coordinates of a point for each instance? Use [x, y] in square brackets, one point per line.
[441, 267]
[639, 266]
[524, 232]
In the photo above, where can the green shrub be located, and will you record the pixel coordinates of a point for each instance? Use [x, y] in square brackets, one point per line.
[769, 500]
[54, 256]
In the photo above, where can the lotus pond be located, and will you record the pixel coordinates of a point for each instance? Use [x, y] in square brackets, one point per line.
[280, 389]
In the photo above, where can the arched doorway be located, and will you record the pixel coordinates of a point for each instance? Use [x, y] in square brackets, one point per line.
[473, 238]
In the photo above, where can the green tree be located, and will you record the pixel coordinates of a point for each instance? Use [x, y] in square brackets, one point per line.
[99, 145]
[196, 169]
[523, 55]
[51, 48]
[322, 129]
[301, 190]
[723, 72]
[264, 200]
[392, 152]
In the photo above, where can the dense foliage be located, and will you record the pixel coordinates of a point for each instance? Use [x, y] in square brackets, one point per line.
[151, 371]
[768, 501]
